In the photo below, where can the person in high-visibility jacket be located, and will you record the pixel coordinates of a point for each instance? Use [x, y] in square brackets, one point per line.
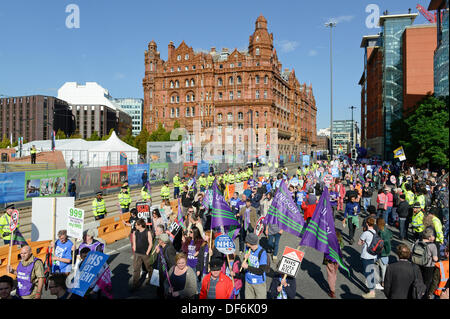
[125, 184]
[202, 182]
[440, 277]
[146, 193]
[249, 173]
[210, 179]
[99, 207]
[299, 172]
[33, 154]
[176, 185]
[165, 191]
[231, 178]
[124, 200]
[224, 178]
[421, 200]
[238, 176]
[409, 195]
[182, 184]
[437, 225]
[417, 221]
[5, 220]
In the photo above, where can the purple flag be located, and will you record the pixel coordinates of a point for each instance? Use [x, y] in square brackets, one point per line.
[284, 212]
[320, 233]
[221, 211]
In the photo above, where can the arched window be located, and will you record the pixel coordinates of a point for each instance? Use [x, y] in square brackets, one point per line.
[257, 79]
[177, 84]
[188, 97]
[171, 84]
[187, 83]
[230, 80]
[230, 116]
[192, 82]
[239, 79]
[193, 97]
[257, 51]
[219, 117]
[219, 82]
[240, 116]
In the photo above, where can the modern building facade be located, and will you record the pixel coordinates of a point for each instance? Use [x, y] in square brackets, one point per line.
[441, 55]
[34, 117]
[94, 109]
[398, 73]
[345, 136]
[133, 107]
[231, 90]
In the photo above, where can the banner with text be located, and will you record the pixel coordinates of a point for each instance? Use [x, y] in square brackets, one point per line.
[113, 176]
[135, 173]
[11, 187]
[159, 172]
[50, 183]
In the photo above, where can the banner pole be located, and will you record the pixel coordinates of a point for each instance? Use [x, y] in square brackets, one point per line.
[53, 227]
[231, 269]
[10, 247]
[210, 239]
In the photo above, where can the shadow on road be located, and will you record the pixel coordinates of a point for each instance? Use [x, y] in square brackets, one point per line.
[120, 277]
[315, 272]
[347, 294]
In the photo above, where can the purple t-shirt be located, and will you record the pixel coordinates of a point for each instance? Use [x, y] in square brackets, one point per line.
[192, 260]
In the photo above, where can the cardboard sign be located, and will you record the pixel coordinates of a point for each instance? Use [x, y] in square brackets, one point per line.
[174, 228]
[290, 262]
[259, 226]
[89, 272]
[225, 245]
[143, 209]
[75, 223]
[14, 220]
[327, 179]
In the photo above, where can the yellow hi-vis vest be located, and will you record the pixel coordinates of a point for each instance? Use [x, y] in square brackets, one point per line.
[98, 207]
[145, 194]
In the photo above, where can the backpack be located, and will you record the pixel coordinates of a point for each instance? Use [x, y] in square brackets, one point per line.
[376, 245]
[266, 267]
[419, 253]
[418, 286]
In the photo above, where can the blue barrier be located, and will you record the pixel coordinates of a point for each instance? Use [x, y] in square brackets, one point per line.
[12, 186]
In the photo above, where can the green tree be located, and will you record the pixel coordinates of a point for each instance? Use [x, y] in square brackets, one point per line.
[94, 137]
[424, 134]
[105, 137]
[60, 135]
[160, 134]
[5, 142]
[140, 141]
[129, 138]
[75, 135]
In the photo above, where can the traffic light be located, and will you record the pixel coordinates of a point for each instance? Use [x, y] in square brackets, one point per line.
[354, 155]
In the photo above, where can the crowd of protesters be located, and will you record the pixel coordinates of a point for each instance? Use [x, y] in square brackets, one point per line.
[185, 264]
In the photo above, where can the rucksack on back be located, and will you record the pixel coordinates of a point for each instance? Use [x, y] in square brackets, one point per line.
[419, 253]
[376, 245]
[267, 267]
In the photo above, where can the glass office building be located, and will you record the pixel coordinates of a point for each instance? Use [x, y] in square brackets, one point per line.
[441, 59]
[393, 27]
[132, 107]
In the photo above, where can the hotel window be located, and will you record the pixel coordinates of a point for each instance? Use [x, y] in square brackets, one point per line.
[240, 116]
[239, 64]
[151, 93]
[239, 79]
[179, 58]
[238, 94]
[219, 117]
[193, 111]
[230, 80]
[265, 114]
[171, 84]
[172, 99]
[177, 84]
[265, 94]
[193, 97]
[186, 57]
[230, 116]
[257, 94]
[257, 79]
[256, 114]
[178, 99]
[187, 112]
[231, 95]
[219, 82]
[177, 114]
[266, 79]
[192, 82]
[220, 95]
[187, 98]
[221, 66]
[257, 51]
[187, 83]
[179, 69]
[240, 126]
[186, 68]
[171, 69]
[193, 67]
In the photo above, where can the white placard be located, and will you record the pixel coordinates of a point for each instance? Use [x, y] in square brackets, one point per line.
[42, 216]
[75, 223]
[239, 188]
[289, 266]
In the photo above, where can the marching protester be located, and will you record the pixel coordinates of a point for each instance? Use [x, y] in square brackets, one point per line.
[166, 260]
[216, 285]
[90, 242]
[182, 282]
[142, 245]
[62, 259]
[255, 263]
[282, 287]
[351, 217]
[368, 260]
[6, 287]
[386, 235]
[58, 288]
[30, 275]
[249, 220]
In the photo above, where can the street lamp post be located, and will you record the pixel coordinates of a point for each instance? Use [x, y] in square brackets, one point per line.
[352, 128]
[331, 25]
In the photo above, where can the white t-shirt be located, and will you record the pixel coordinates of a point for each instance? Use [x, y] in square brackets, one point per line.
[367, 237]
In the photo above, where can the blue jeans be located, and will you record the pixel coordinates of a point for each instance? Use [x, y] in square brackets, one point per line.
[366, 201]
[176, 192]
[386, 214]
[402, 228]
[369, 272]
[273, 242]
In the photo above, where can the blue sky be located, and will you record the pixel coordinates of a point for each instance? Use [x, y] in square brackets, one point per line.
[38, 53]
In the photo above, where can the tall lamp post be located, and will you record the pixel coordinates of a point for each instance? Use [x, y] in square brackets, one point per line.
[352, 136]
[331, 25]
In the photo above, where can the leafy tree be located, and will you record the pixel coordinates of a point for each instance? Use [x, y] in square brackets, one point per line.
[75, 135]
[5, 142]
[129, 138]
[60, 135]
[160, 134]
[140, 141]
[94, 137]
[105, 137]
[424, 134]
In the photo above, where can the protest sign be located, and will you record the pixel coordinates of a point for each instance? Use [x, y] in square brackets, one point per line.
[89, 272]
[75, 223]
[259, 226]
[225, 244]
[143, 209]
[290, 261]
[14, 220]
[327, 179]
[174, 228]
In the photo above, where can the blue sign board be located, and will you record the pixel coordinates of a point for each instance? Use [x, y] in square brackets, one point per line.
[335, 172]
[306, 160]
[135, 173]
[12, 187]
[89, 272]
[203, 167]
[225, 244]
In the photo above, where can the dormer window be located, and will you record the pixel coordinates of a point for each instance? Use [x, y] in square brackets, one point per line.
[179, 58]
[186, 57]
[257, 51]
[257, 38]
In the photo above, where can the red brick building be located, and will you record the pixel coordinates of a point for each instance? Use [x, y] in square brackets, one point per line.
[238, 89]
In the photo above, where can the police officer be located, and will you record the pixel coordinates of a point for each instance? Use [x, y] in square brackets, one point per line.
[165, 191]
[124, 199]
[210, 179]
[202, 182]
[99, 207]
[33, 154]
[5, 220]
[417, 221]
[146, 193]
[176, 185]
[125, 184]
[182, 184]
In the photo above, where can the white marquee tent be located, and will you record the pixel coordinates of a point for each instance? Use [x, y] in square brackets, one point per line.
[90, 153]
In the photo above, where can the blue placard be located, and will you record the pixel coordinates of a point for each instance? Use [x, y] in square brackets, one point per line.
[89, 272]
[12, 187]
[306, 160]
[203, 167]
[135, 173]
[225, 244]
[335, 172]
